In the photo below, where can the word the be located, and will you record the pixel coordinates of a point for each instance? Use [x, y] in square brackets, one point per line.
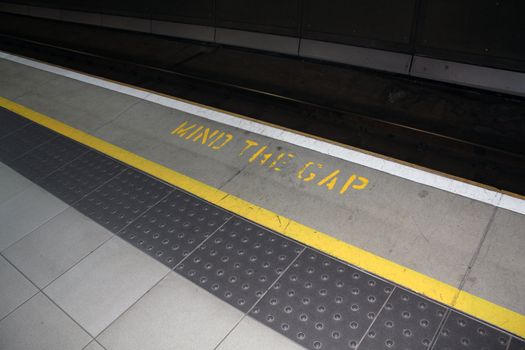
[280, 158]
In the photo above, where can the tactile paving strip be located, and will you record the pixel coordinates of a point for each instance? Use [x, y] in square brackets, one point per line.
[407, 321]
[516, 344]
[462, 332]
[173, 228]
[78, 178]
[10, 122]
[23, 140]
[123, 199]
[240, 262]
[48, 157]
[323, 304]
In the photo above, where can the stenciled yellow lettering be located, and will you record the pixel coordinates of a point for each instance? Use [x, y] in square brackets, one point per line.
[194, 132]
[205, 135]
[347, 184]
[329, 180]
[217, 139]
[181, 130]
[249, 144]
[282, 162]
[228, 138]
[310, 176]
[362, 185]
[256, 154]
[265, 157]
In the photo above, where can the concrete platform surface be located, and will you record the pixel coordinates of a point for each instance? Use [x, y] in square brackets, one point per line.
[95, 286]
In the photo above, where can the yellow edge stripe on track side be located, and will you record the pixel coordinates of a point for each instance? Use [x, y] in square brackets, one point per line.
[487, 311]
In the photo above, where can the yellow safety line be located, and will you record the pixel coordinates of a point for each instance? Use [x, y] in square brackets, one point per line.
[487, 311]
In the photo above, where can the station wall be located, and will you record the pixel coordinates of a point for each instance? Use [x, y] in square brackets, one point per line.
[488, 33]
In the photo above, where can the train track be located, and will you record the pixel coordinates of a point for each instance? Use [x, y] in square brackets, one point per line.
[477, 162]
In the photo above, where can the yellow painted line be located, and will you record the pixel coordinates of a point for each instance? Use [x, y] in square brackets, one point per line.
[446, 294]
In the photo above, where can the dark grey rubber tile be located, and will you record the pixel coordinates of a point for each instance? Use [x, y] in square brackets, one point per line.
[48, 157]
[321, 303]
[23, 140]
[240, 262]
[175, 227]
[462, 332]
[517, 344]
[78, 178]
[10, 122]
[407, 321]
[123, 199]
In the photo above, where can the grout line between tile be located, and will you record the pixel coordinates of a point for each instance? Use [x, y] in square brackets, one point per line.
[67, 207]
[51, 300]
[448, 311]
[475, 255]
[376, 317]
[247, 313]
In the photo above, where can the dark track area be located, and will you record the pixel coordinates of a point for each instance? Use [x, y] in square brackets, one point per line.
[464, 132]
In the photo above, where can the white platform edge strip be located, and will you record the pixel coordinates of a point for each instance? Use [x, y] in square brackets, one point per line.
[423, 177]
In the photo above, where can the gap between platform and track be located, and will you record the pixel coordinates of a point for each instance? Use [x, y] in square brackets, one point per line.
[421, 175]
[499, 316]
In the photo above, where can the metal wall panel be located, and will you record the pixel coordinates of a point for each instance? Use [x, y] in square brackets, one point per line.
[269, 16]
[380, 24]
[485, 32]
[44, 3]
[184, 11]
[80, 5]
[127, 8]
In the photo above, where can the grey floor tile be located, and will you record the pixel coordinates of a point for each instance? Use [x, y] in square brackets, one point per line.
[176, 314]
[250, 334]
[11, 183]
[103, 285]
[25, 212]
[498, 274]
[17, 79]
[93, 346]
[102, 104]
[54, 247]
[40, 325]
[14, 288]
[73, 115]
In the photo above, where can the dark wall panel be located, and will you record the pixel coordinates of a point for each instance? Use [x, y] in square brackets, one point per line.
[269, 16]
[482, 32]
[488, 32]
[81, 5]
[374, 23]
[132, 8]
[185, 11]
[44, 3]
